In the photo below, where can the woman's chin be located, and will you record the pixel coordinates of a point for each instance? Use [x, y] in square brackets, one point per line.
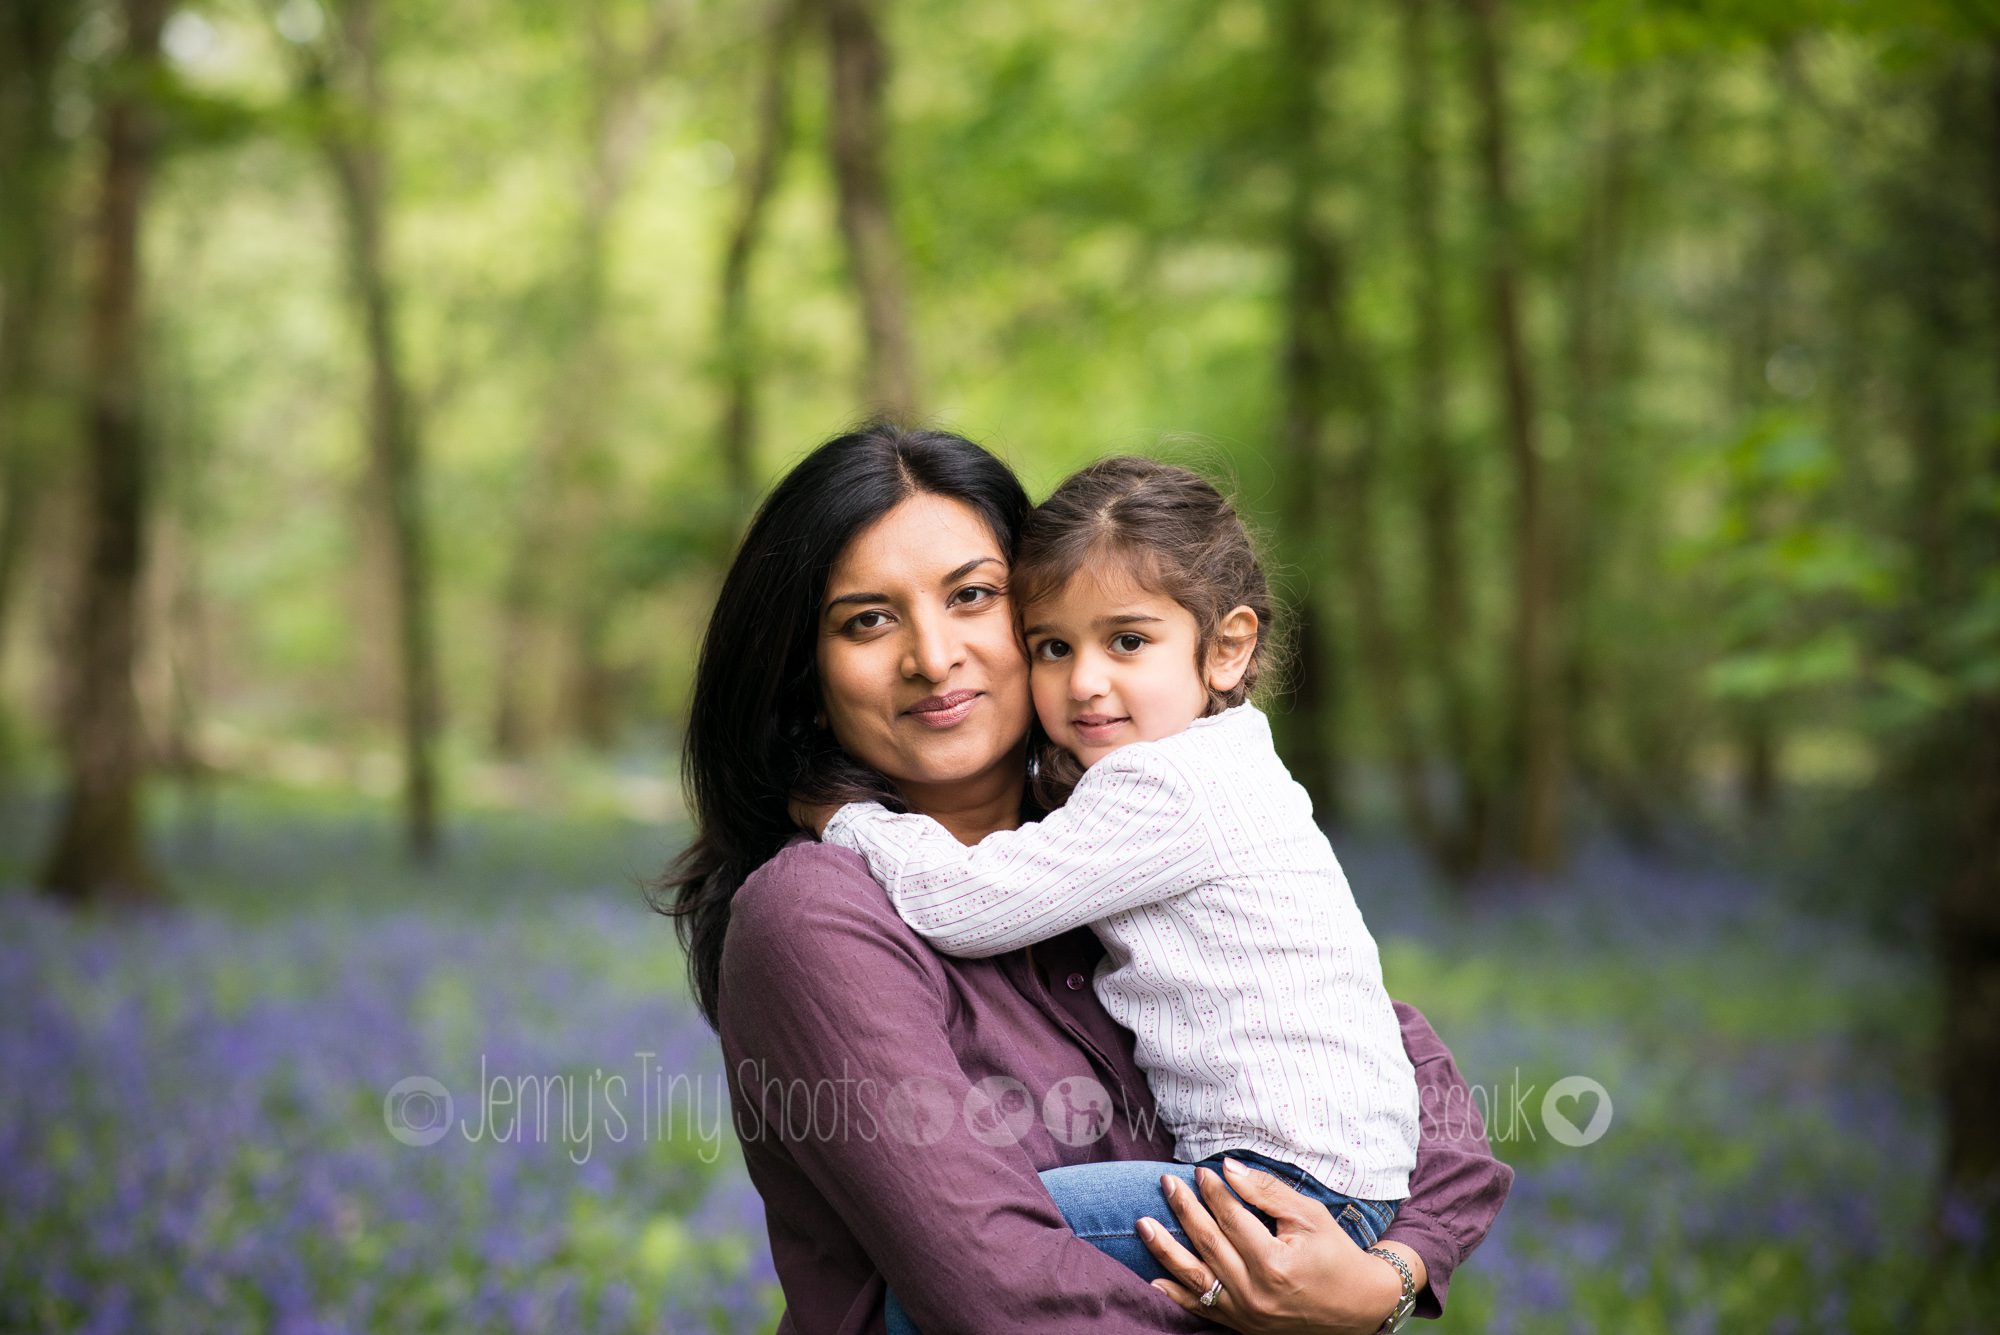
[962, 758]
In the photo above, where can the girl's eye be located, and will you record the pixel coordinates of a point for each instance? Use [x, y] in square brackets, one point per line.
[1128, 643]
[860, 621]
[1050, 651]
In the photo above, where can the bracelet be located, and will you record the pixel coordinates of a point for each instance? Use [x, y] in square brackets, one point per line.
[1408, 1302]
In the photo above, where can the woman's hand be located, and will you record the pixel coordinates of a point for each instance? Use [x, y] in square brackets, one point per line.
[1310, 1277]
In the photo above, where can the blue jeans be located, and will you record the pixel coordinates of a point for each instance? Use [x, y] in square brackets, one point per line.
[1103, 1203]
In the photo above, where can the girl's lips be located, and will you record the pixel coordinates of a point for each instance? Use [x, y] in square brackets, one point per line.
[943, 711]
[1097, 727]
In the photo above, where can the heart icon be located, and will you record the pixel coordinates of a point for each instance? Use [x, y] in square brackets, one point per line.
[1575, 1089]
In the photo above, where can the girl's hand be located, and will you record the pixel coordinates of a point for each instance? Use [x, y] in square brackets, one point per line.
[1310, 1277]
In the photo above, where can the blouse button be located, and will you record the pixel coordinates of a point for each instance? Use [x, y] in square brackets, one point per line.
[1075, 982]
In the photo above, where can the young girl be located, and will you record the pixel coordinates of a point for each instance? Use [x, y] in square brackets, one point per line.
[1234, 951]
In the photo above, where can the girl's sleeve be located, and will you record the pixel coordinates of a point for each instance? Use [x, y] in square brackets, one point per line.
[1131, 834]
[823, 992]
[1458, 1186]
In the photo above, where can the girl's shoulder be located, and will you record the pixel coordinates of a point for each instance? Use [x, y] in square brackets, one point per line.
[1224, 761]
[1214, 763]
[1237, 721]
[1237, 737]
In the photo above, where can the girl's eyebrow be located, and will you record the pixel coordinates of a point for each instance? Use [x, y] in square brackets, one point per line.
[1126, 619]
[952, 578]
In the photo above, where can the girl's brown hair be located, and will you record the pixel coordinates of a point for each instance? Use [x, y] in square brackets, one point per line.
[1178, 536]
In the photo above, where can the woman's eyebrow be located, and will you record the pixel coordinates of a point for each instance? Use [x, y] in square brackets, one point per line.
[952, 578]
[832, 603]
[968, 568]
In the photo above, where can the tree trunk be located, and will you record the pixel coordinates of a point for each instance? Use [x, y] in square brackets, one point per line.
[1968, 914]
[1757, 741]
[1968, 939]
[352, 141]
[569, 461]
[1459, 841]
[592, 685]
[1597, 511]
[773, 140]
[1758, 724]
[513, 735]
[860, 81]
[32, 35]
[1538, 720]
[1380, 639]
[1312, 749]
[1333, 413]
[99, 850]
[189, 672]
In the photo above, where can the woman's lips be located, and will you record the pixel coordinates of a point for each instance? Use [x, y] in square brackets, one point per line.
[1098, 727]
[943, 711]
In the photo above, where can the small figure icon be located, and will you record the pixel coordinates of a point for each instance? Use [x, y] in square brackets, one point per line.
[1077, 1110]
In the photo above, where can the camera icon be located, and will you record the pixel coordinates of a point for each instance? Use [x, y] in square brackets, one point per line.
[417, 1110]
[998, 1110]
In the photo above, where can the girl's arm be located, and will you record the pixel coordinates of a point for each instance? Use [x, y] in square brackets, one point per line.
[834, 1032]
[1132, 833]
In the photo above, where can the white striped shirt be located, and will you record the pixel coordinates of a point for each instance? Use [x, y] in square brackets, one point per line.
[1234, 951]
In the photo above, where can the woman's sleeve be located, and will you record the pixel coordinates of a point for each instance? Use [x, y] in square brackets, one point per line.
[1458, 1186]
[824, 992]
[1131, 834]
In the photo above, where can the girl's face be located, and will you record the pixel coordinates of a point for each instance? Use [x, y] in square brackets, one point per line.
[1113, 663]
[921, 674]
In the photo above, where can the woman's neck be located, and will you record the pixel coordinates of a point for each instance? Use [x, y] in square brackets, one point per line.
[976, 807]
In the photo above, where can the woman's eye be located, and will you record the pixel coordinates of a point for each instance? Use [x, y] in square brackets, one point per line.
[973, 593]
[871, 620]
[1128, 643]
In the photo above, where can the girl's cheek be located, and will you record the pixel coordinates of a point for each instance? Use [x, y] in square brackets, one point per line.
[1046, 685]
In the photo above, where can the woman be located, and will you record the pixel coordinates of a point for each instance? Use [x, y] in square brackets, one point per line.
[897, 1107]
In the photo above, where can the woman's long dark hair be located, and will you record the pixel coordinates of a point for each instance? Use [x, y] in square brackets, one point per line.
[752, 743]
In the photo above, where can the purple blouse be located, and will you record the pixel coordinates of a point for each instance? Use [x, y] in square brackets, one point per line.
[853, 1051]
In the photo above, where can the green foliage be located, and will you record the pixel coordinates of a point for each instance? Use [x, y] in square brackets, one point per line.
[1756, 267]
[1791, 576]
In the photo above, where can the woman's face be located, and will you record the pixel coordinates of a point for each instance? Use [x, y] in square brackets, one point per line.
[922, 677]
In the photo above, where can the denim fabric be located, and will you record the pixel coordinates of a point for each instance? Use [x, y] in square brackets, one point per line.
[1365, 1221]
[1104, 1202]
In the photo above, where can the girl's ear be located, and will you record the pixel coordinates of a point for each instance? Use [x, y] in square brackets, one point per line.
[1235, 641]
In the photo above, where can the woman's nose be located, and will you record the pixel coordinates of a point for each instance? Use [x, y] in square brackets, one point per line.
[933, 652]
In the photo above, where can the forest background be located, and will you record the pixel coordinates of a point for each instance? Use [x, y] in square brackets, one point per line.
[383, 387]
